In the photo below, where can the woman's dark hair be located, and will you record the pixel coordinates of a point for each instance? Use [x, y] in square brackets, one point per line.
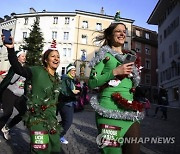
[45, 57]
[107, 34]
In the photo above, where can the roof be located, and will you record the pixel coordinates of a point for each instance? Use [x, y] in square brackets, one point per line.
[159, 11]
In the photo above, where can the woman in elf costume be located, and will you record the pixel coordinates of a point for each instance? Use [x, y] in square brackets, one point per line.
[41, 115]
[117, 115]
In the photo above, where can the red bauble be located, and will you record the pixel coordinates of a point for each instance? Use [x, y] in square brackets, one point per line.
[32, 110]
[43, 107]
[132, 90]
[52, 131]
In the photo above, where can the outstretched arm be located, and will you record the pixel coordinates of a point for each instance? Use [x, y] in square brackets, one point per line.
[16, 65]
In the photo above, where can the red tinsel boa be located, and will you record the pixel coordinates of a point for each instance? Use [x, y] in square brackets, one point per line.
[136, 106]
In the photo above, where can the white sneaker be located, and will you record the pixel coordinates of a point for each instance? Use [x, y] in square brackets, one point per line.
[63, 140]
[6, 134]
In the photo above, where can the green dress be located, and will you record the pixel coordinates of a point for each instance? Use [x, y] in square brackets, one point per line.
[113, 121]
[40, 117]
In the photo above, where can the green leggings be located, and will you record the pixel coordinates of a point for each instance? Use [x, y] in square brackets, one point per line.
[111, 133]
[43, 142]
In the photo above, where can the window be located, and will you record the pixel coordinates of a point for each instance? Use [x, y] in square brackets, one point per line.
[125, 45]
[63, 70]
[83, 55]
[24, 35]
[66, 52]
[127, 32]
[163, 57]
[160, 38]
[176, 93]
[85, 24]
[170, 51]
[147, 50]
[55, 20]
[54, 35]
[138, 47]
[25, 21]
[84, 39]
[137, 32]
[69, 52]
[147, 36]
[67, 19]
[176, 47]
[147, 79]
[66, 35]
[98, 26]
[148, 64]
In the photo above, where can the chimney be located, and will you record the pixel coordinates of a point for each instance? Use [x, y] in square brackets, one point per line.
[6, 17]
[32, 10]
[102, 10]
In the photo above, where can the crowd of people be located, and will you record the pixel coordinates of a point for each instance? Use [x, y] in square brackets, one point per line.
[39, 95]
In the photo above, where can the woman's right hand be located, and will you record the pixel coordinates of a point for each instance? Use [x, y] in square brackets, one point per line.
[8, 45]
[124, 69]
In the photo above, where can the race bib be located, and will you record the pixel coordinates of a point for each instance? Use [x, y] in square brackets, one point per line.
[110, 135]
[39, 139]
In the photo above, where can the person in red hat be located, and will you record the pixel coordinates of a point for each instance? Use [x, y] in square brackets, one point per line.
[40, 117]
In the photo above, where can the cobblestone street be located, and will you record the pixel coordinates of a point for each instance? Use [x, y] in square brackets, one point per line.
[82, 135]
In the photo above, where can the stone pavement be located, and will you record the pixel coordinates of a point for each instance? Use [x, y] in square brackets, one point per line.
[83, 132]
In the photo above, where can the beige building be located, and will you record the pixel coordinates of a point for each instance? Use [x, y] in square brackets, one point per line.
[88, 26]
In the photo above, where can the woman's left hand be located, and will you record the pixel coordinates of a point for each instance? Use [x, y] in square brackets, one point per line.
[8, 45]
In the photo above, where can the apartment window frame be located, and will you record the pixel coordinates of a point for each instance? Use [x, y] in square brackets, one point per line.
[83, 53]
[147, 64]
[147, 50]
[138, 46]
[55, 20]
[84, 39]
[67, 20]
[147, 79]
[26, 21]
[66, 36]
[98, 26]
[85, 24]
[147, 35]
[163, 57]
[54, 35]
[63, 70]
[138, 32]
[24, 35]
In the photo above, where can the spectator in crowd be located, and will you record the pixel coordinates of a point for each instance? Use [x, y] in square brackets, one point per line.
[67, 99]
[12, 95]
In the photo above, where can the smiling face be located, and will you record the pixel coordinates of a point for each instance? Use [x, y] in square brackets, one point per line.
[22, 58]
[119, 35]
[53, 60]
[72, 72]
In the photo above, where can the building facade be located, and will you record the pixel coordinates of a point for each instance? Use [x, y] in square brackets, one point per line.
[145, 43]
[74, 33]
[166, 15]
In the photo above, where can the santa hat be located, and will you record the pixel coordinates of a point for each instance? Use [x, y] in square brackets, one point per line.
[18, 53]
[70, 67]
[53, 45]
